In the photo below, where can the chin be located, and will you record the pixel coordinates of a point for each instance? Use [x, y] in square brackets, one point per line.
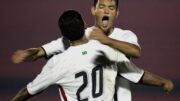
[105, 29]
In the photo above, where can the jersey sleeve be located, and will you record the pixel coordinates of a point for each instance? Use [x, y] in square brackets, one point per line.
[55, 46]
[43, 80]
[130, 71]
[130, 37]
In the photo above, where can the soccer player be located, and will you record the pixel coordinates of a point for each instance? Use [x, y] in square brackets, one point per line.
[81, 71]
[105, 12]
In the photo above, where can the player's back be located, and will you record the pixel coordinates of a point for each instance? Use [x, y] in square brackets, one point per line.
[82, 77]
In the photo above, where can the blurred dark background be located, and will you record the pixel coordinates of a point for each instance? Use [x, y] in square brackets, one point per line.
[31, 23]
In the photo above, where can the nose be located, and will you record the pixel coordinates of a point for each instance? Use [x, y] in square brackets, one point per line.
[106, 11]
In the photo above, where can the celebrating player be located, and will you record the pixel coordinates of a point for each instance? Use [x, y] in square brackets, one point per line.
[84, 79]
[105, 12]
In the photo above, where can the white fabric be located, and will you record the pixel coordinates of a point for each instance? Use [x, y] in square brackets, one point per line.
[118, 34]
[81, 59]
[57, 46]
[54, 47]
[123, 89]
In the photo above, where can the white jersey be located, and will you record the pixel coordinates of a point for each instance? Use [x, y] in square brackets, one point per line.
[133, 74]
[82, 72]
[59, 45]
[119, 34]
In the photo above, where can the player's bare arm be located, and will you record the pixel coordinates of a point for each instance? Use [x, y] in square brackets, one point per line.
[129, 49]
[30, 54]
[155, 80]
[22, 95]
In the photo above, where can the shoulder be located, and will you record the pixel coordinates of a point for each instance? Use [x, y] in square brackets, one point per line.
[88, 31]
[123, 32]
[123, 35]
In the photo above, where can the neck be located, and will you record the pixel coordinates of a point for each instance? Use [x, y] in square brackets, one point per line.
[108, 31]
[79, 42]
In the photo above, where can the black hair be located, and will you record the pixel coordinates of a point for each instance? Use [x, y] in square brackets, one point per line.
[71, 25]
[117, 2]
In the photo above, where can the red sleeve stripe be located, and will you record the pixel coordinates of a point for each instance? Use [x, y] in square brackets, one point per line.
[63, 93]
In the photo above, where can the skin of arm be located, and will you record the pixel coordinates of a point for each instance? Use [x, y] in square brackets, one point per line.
[155, 80]
[22, 95]
[128, 49]
[30, 54]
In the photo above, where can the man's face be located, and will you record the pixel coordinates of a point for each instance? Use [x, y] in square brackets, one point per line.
[105, 13]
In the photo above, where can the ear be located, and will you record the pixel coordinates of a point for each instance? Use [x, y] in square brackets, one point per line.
[117, 13]
[93, 11]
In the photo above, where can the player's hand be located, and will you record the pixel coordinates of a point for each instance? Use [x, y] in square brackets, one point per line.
[99, 35]
[19, 56]
[168, 86]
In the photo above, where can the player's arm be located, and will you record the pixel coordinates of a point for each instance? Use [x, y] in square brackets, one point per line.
[30, 54]
[136, 75]
[128, 49]
[39, 84]
[47, 50]
[22, 95]
[155, 80]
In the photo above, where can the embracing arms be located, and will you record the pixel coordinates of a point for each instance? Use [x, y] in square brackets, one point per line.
[155, 80]
[129, 49]
[22, 95]
[30, 54]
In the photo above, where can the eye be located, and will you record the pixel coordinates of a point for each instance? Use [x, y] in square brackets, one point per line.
[101, 6]
[112, 7]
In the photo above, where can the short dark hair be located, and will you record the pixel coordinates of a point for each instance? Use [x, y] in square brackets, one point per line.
[117, 2]
[71, 25]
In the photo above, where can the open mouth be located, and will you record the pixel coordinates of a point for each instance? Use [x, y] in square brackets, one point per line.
[105, 18]
[105, 21]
